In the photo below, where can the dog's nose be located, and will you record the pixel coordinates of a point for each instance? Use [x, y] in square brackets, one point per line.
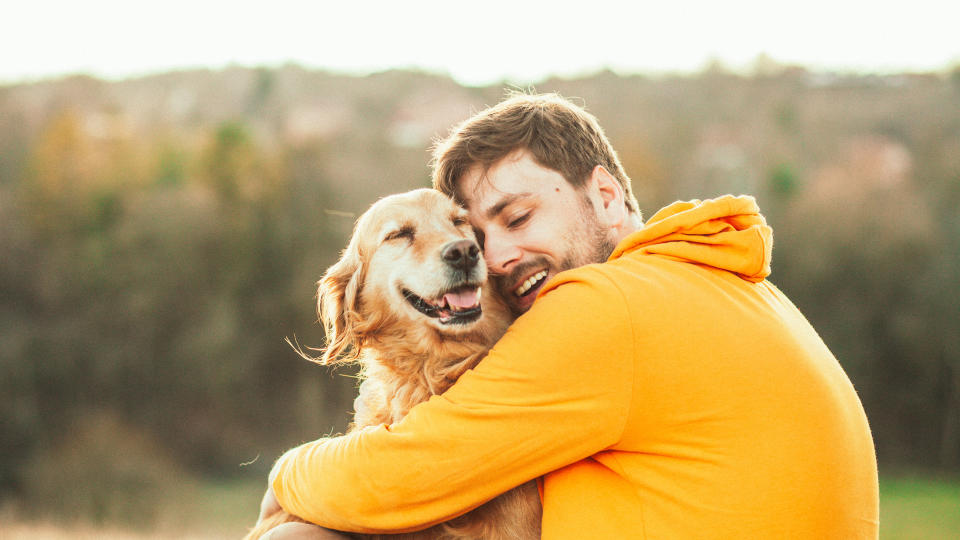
[462, 254]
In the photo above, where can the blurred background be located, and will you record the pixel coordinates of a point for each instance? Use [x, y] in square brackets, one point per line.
[173, 182]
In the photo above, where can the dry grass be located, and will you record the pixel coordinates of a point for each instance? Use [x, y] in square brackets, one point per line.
[49, 531]
[194, 510]
[919, 507]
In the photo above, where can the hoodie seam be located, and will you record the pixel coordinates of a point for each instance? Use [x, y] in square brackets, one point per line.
[766, 249]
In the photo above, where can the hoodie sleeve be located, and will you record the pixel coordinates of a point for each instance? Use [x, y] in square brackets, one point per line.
[556, 389]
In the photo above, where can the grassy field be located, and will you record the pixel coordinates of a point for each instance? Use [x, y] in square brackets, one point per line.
[915, 507]
[912, 507]
[193, 511]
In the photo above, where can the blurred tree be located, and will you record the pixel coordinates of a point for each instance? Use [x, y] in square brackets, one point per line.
[229, 163]
[262, 88]
[783, 179]
[60, 167]
[171, 167]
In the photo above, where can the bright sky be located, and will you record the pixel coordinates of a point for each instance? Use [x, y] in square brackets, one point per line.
[475, 42]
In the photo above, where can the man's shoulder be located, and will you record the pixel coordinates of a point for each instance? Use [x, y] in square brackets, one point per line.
[592, 292]
[597, 275]
[583, 311]
[617, 274]
[638, 287]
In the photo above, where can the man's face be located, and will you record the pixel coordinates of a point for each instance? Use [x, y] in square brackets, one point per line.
[532, 224]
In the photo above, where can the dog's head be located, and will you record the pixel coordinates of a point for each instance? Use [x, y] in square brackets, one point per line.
[412, 269]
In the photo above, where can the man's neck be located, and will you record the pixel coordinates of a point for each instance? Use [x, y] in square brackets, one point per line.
[632, 224]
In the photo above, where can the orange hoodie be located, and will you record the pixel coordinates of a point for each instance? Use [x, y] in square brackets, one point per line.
[670, 392]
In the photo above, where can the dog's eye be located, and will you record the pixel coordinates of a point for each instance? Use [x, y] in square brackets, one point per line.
[405, 232]
[459, 221]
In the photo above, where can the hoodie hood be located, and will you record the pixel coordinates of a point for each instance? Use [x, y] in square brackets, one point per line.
[726, 233]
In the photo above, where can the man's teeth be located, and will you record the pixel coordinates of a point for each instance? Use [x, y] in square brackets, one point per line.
[530, 282]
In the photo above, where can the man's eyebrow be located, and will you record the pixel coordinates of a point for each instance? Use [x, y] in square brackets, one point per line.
[504, 202]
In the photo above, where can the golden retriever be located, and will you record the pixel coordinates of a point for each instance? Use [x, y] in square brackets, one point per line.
[405, 302]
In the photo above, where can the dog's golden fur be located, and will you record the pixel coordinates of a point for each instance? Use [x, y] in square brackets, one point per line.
[366, 302]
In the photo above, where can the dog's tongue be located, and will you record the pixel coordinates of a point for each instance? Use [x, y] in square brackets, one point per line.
[464, 299]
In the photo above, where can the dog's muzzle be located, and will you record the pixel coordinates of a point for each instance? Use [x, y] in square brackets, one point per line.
[460, 305]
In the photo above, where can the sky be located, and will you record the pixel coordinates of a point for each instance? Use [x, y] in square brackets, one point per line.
[477, 43]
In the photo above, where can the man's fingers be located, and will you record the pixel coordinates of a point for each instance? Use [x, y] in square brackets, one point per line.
[302, 531]
[268, 505]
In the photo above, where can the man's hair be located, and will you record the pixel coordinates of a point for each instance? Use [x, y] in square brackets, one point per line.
[558, 134]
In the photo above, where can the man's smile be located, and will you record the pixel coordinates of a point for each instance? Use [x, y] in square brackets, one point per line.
[530, 283]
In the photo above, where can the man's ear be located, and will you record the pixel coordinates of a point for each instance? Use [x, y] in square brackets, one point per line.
[610, 192]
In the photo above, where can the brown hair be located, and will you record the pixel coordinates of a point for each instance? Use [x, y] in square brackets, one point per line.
[558, 134]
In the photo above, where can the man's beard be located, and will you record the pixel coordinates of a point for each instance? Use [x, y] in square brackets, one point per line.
[585, 243]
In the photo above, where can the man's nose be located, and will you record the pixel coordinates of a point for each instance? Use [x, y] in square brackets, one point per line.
[500, 256]
[461, 254]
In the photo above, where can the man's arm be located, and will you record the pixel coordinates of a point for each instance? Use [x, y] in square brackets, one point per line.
[556, 389]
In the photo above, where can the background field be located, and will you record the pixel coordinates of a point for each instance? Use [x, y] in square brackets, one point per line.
[915, 507]
[161, 236]
[912, 507]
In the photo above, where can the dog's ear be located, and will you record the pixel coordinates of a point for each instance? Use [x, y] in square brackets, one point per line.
[337, 295]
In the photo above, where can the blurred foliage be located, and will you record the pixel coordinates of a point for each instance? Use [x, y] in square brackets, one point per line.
[100, 470]
[915, 507]
[161, 236]
[783, 180]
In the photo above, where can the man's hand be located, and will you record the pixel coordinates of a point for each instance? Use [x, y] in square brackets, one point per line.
[269, 504]
[302, 531]
[291, 531]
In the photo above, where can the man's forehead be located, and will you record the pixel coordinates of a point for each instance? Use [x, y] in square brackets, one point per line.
[486, 201]
[480, 194]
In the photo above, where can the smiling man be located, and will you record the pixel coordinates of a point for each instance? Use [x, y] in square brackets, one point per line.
[503, 200]
[655, 380]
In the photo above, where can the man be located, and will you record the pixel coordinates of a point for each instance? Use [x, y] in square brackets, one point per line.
[659, 384]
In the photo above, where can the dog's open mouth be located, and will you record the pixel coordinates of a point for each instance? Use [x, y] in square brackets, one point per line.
[460, 305]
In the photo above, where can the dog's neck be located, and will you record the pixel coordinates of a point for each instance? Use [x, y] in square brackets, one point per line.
[403, 364]
[432, 363]
[403, 371]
